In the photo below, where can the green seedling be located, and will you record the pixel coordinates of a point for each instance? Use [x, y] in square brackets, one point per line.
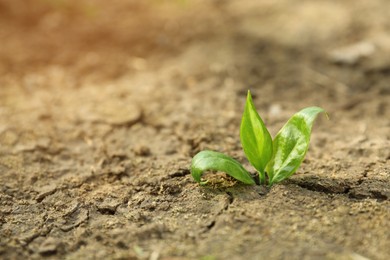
[275, 160]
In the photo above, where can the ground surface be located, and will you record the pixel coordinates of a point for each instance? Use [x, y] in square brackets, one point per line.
[103, 104]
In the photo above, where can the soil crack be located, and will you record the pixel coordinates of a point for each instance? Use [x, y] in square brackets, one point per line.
[228, 201]
[363, 188]
[179, 173]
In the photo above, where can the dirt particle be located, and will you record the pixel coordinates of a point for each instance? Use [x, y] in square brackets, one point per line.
[29, 236]
[108, 206]
[171, 189]
[75, 219]
[164, 206]
[210, 225]
[142, 150]
[49, 247]
[114, 113]
[46, 191]
[122, 244]
[153, 230]
[149, 205]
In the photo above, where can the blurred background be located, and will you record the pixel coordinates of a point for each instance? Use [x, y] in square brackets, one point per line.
[285, 43]
[179, 59]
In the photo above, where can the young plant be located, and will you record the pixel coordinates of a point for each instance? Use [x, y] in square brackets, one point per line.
[275, 160]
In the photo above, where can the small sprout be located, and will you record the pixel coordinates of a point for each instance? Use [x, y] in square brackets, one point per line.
[275, 160]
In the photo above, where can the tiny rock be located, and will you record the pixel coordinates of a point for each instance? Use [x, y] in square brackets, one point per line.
[352, 54]
[49, 246]
[142, 150]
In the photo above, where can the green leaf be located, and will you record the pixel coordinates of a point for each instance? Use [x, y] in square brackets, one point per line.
[209, 160]
[255, 138]
[291, 144]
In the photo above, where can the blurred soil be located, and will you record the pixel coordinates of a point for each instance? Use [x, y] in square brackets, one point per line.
[104, 103]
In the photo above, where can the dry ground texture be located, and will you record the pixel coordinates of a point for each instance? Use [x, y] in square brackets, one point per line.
[104, 103]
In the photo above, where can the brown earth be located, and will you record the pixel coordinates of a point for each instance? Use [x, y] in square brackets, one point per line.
[103, 104]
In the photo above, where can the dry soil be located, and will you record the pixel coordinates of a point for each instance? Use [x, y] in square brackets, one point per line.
[104, 103]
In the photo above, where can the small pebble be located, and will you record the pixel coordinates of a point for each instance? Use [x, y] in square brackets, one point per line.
[142, 150]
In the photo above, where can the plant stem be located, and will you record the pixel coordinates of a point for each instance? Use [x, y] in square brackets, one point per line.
[262, 178]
